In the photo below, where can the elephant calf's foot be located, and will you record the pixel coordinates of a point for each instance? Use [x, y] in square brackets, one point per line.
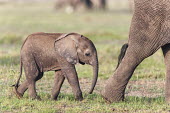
[79, 98]
[54, 98]
[36, 98]
[19, 95]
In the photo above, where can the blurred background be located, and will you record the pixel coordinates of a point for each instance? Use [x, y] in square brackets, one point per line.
[22, 17]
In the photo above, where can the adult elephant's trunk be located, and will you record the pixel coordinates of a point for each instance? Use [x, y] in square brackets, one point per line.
[95, 74]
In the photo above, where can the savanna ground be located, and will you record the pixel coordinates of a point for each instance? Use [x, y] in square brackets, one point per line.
[108, 31]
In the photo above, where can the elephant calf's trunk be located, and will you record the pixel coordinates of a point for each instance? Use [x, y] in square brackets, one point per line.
[95, 76]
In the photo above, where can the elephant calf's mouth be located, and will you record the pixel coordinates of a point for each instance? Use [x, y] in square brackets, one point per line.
[81, 62]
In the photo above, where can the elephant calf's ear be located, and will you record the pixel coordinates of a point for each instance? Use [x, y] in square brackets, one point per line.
[66, 48]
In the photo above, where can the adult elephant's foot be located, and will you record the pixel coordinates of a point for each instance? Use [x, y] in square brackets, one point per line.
[19, 95]
[114, 90]
[112, 96]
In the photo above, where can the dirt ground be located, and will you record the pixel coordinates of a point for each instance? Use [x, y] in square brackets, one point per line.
[142, 88]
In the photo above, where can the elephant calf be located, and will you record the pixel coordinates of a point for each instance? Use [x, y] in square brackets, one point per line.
[57, 52]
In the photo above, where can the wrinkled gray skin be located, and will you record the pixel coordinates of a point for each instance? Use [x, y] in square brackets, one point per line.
[57, 52]
[150, 30]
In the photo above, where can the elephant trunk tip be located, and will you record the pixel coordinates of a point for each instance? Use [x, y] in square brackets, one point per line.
[95, 74]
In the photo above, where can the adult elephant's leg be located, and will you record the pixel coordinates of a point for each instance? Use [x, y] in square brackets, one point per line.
[166, 52]
[116, 84]
[144, 40]
[58, 81]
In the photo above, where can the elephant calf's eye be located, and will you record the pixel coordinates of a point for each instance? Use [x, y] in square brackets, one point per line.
[87, 54]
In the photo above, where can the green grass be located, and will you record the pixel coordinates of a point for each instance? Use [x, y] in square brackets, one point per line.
[91, 103]
[108, 31]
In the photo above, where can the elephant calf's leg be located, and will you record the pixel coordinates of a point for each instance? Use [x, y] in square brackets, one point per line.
[166, 52]
[32, 75]
[58, 81]
[32, 90]
[72, 78]
[32, 83]
[76, 88]
[22, 88]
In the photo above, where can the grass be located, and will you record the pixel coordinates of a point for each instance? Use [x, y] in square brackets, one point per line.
[108, 31]
[92, 103]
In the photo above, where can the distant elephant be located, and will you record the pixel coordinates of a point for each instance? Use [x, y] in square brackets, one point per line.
[150, 30]
[95, 4]
[73, 3]
[57, 52]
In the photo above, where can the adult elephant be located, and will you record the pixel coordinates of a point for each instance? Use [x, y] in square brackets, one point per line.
[150, 30]
[57, 52]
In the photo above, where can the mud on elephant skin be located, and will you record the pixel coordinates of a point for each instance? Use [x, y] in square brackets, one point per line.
[57, 52]
[150, 30]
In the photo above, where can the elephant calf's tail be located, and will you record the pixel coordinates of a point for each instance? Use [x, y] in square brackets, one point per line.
[17, 84]
[122, 54]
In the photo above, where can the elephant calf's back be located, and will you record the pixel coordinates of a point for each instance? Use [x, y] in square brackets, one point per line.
[40, 48]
